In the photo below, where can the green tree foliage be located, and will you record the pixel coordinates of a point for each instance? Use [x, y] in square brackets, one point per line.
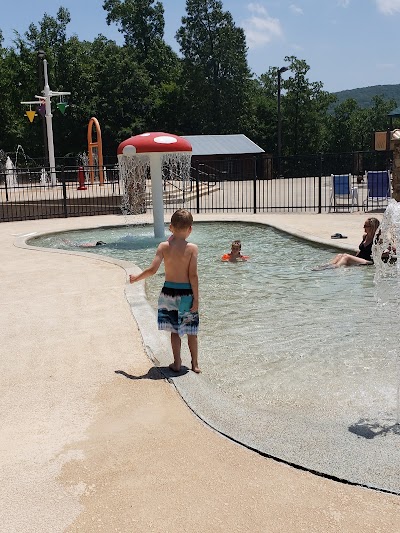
[343, 126]
[261, 120]
[142, 24]
[377, 115]
[122, 90]
[144, 86]
[215, 76]
[351, 128]
[10, 128]
[304, 107]
[140, 21]
[18, 83]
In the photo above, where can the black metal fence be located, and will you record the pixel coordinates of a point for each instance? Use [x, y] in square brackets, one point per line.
[28, 194]
[251, 184]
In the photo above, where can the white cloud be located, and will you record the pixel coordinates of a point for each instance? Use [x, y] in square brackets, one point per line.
[386, 66]
[343, 3]
[388, 7]
[260, 28]
[257, 8]
[295, 9]
[297, 47]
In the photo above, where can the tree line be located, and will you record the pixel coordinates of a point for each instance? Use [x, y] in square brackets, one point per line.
[144, 85]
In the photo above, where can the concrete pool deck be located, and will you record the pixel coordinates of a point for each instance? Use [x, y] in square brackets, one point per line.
[95, 439]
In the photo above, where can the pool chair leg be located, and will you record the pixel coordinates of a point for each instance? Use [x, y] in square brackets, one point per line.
[354, 199]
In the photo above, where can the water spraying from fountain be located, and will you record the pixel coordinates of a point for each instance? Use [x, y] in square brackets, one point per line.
[18, 150]
[387, 279]
[11, 175]
[44, 177]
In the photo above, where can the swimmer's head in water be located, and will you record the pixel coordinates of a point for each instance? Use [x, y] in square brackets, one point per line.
[100, 243]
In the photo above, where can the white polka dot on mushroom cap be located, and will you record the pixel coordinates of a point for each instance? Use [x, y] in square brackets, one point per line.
[165, 139]
[129, 150]
[144, 135]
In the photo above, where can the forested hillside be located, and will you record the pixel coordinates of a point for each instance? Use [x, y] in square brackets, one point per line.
[364, 95]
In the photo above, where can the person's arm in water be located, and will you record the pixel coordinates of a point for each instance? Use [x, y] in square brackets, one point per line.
[152, 269]
[194, 279]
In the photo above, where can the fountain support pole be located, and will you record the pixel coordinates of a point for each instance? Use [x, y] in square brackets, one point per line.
[157, 195]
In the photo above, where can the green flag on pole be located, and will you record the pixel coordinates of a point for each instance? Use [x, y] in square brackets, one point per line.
[62, 107]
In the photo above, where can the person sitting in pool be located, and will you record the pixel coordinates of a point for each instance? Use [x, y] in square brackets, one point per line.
[364, 254]
[235, 254]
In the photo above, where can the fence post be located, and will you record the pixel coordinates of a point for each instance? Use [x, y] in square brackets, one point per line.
[5, 184]
[64, 189]
[255, 186]
[321, 158]
[197, 189]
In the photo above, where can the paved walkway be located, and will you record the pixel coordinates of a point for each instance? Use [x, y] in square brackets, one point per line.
[94, 439]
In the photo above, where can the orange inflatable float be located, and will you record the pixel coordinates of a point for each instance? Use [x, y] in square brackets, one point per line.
[227, 257]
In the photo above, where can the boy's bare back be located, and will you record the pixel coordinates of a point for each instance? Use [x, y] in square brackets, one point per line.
[180, 259]
[179, 256]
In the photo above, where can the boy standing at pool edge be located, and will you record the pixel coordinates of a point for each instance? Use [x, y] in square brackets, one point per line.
[178, 303]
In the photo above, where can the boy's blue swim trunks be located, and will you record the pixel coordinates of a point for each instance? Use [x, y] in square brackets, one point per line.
[174, 305]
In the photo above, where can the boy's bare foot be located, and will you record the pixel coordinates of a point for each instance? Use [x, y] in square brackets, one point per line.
[174, 368]
[196, 369]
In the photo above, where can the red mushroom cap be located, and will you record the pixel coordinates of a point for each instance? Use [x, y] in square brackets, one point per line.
[154, 142]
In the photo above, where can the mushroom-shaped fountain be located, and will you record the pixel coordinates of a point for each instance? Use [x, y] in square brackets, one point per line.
[151, 151]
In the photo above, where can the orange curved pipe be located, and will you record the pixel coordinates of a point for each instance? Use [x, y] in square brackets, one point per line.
[97, 144]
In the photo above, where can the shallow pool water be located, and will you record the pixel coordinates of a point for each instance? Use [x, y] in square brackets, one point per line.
[273, 332]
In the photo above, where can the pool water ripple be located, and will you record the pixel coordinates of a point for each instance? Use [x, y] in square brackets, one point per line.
[271, 329]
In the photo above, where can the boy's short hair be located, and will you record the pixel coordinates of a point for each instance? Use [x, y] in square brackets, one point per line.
[182, 219]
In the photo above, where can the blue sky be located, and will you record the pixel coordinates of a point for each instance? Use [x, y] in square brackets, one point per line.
[346, 43]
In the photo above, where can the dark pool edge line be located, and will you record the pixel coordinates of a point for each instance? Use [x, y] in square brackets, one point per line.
[270, 456]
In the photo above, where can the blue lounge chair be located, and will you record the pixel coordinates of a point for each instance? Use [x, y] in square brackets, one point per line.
[343, 194]
[378, 183]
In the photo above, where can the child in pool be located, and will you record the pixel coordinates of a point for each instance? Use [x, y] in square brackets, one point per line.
[235, 254]
[84, 244]
[178, 303]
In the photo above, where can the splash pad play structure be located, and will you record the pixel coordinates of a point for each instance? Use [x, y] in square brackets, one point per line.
[158, 154]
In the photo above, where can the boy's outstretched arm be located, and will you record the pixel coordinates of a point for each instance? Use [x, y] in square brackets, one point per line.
[151, 270]
[194, 279]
